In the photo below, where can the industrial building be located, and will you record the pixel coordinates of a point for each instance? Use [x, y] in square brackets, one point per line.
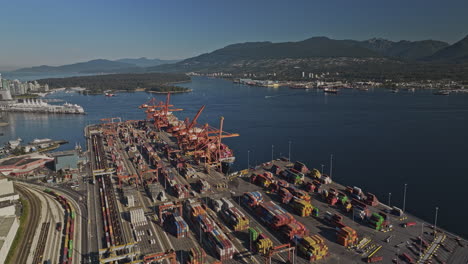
[23, 165]
[67, 161]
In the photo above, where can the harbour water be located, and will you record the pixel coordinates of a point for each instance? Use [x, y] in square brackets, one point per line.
[379, 140]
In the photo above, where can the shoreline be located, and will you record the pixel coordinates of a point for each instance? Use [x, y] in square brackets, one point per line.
[172, 92]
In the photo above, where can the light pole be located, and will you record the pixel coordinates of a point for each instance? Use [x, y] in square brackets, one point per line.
[389, 198]
[289, 150]
[435, 222]
[331, 165]
[404, 198]
[272, 151]
[248, 159]
[322, 169]
[420, 240]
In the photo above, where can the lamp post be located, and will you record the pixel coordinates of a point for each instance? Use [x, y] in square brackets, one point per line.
[322, 169]
[331, 165]
[404, 198]
[389, 198]
[272, 151]
[248, 159]
[289, 150]
[435, 221]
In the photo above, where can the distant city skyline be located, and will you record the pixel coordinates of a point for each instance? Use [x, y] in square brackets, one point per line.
[54, 32]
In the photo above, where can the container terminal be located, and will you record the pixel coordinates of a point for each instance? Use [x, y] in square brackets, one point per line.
[160, 195]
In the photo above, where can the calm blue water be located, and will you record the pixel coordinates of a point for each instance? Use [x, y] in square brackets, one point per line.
[379, 140]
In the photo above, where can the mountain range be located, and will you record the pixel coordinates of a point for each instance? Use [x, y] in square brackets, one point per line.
[322, 52]
[99, 66]
[311, 54]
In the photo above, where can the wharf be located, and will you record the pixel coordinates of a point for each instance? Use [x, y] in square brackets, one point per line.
[120, 167]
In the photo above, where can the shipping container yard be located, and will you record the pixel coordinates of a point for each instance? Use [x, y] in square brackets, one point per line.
[161, 195]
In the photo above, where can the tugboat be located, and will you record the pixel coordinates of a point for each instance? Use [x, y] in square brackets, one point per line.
[109, 94]
[330, 90]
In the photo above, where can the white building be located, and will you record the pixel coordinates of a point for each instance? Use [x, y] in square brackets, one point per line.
[7, 192]
[8, 228]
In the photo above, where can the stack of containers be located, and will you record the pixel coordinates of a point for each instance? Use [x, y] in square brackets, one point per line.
[315, 212]
[261, 180]
[180, 191]
[252, 199]
[313, 247]
[285, 195]
[263, 244]
[371, 199]
[203, 186]
[315, 174]
[254, 232]
[235, 218]
[346, 236]
[332, 199]
[376, 221]
[293, 176]
[347, 207]
[275, 169]
[301, 167]
[295, 228]
[310, 187]
[301, 194]
[221, 244]
[342, 198]
[268, 175]
[197, 256]
[360, 209]
[283, 183]
[177, 226]
[137, 217]
[215, 238]
[301, 207]
[273, 215]
[334, 219]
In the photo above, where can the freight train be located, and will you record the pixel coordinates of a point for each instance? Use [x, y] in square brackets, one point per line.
[69, 220]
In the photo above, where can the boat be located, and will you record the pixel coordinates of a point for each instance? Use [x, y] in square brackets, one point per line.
[109, 94]
[298, 86]
[330, 90]
[395, 90]
[442, 92]
[39, 106]
[363, 89]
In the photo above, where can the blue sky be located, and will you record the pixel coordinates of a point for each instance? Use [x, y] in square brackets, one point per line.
[56, 32]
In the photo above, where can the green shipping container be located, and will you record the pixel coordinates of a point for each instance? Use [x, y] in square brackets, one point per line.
[253, 234]
[315, 212]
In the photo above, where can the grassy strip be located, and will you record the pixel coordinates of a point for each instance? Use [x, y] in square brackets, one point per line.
[19, 234]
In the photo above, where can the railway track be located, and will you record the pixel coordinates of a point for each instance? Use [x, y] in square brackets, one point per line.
[39, 254]
[53, 245]
[24, 248]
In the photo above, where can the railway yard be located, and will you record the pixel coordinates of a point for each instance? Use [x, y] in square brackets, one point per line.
[49, 234]
[157, 193]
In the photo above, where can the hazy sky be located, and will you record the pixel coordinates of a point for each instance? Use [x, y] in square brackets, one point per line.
[56, 32]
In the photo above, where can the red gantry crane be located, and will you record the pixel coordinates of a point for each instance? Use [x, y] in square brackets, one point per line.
[209, 148]
[163, 116]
